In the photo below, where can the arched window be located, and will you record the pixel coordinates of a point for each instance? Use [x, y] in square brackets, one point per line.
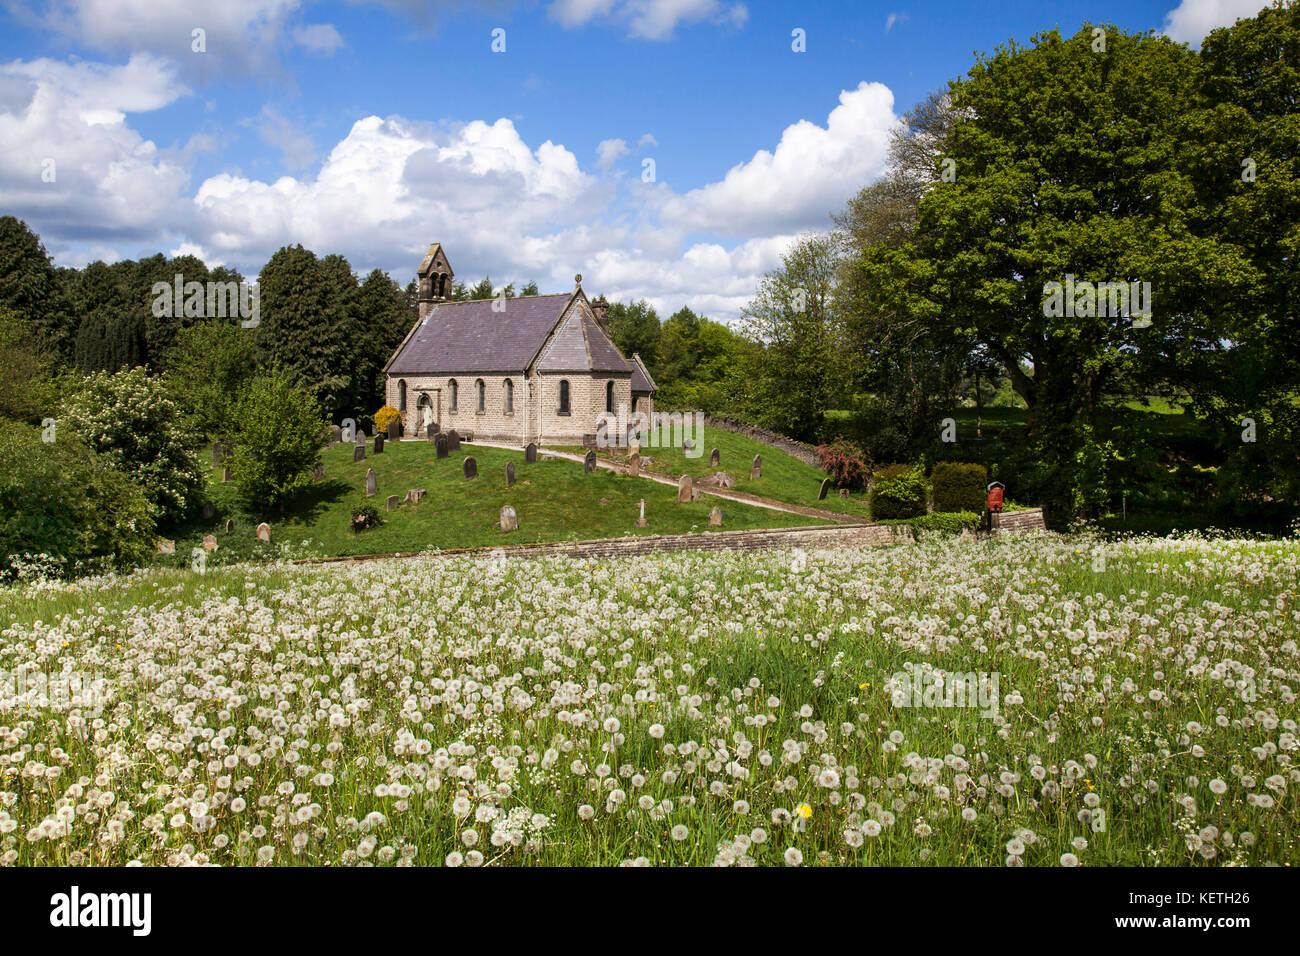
[401, 395]
[609, 397]
[482, 396]
[455, 394]
[510, 397]
[564, 397]
[634, 401]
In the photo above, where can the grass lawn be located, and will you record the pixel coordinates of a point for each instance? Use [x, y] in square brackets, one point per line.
[784, 478]
[556, 501]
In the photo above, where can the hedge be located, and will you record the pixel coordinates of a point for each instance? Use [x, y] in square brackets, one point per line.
[899, 492]
[959, 486]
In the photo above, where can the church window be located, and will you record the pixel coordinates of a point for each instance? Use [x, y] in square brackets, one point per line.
[482, 396]
[510, 397]
[609, 397]
[401, 395]
[564, 397]
[455, 395]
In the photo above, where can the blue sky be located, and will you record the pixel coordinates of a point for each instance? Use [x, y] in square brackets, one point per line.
[373, 128]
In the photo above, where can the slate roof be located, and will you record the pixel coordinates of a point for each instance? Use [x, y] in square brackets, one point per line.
[470, 337]
[641, 380]
[579, 345]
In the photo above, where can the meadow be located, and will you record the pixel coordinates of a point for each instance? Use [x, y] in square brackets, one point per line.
[684, 709]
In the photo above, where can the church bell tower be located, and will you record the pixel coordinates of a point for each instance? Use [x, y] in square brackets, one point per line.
[435, 278]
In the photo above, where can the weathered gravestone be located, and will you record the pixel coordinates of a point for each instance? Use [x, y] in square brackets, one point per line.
[634, 448]
[634, 466]
[530, 453]
[826, 485]
[230, 526]
[471, 467]
[443, 445]
[264, 532]
[715, 517]
[225, 473]
[714, 459]
[510, 473]
[641, 522]
[318, 473]
[413, 495]
[394, 429]
[209, 542]
[379, 444]
[166, 546]
[217, 456]
[208, 510]
[589, 461]
[372, 484]
[453, 440]
[685, 489]
[358, 452]
[509, 519]
[756, 469]
[394, 502]
[338, 433]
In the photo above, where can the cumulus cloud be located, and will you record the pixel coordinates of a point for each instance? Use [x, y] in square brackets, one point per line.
[1191, 20]
[296, 147]
[608, 151]
[318, 38]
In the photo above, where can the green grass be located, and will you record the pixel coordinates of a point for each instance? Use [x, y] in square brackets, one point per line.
[784, 478]
[555, 500]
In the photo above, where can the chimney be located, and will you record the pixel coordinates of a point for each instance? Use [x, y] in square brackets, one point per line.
[600, 309]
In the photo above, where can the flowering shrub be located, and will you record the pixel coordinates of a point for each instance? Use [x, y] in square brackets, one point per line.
[846, 463]
[128, 418]
[735, 708]
[385, 415]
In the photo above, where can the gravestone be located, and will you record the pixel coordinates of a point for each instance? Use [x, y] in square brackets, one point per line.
[714, 459]
[453, 440]
[471, 467]
[230, 525]
[264, 532]
[442, 444]
[414, 495]
[510, 473]
[715, 517]
[225, 473]
[338, 433]
[379, 444]
[756, 469]
[589, 461]
[209, 542]
[358, 452]
[318, 473]
[208, 510]
[634, 448]
[433, 429]
[217, 456]
[372, 484]
[394, 429]
[166, 546]
[821, 494]
[634, 466]
[530, 453]
[361, 436]
[641, 522]
[685, 489]
[509, 519]
[394, 501]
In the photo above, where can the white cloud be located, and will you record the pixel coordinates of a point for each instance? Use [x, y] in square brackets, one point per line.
[608, 152]
[812, 171]
[892, 19]
[318, 38]
[1191, 20]
[647, 139]
[296, 147]
[649, 19]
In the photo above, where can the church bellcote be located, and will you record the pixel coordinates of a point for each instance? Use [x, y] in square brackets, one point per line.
[435, 278]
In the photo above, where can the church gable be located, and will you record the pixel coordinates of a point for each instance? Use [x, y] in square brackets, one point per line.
[580, 345]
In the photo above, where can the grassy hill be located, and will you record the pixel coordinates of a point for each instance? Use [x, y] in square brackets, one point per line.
[784, 478]
[556, 501]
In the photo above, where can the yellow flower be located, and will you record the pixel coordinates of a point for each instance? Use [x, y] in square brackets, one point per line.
[803, 810]
[864, 686]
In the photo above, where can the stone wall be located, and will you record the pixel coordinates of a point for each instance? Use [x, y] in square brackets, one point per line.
[795, 449]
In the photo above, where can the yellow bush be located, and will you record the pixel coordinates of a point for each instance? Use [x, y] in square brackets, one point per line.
[385, 415]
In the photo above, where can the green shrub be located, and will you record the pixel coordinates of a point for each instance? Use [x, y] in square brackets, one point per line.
[899, 492]
[63, 500]
[959, 486]
[364, 516]
[279, 435]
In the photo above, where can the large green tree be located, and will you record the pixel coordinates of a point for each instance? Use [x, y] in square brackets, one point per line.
[30, 286]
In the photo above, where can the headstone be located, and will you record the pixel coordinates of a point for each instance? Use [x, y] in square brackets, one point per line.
[685, 488]
[394, 502]
[414, 495]
[509, 519]
[225, 473]
[589, 461]
[510, 473]
[217, 456]
[756, 469]
[361, 436]
[530, 453]
[634, 466]
[209, 542]
[358, 452]
[714, 459]
[395, 429]
[338, 434]
[826, 484]
[471, 467]
[443, 444]
[453, 440]
[433, 429]
[379, 444]
[715, 517]
[641, 522]
[634, 448]
[318, 473]
[166, 546]
[264, 532]
[230, 525]
[208, 510]
[372, 484]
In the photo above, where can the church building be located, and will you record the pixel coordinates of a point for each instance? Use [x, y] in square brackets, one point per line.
[538, 368]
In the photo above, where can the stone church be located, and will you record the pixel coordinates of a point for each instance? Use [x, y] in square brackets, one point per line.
[538, 368]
